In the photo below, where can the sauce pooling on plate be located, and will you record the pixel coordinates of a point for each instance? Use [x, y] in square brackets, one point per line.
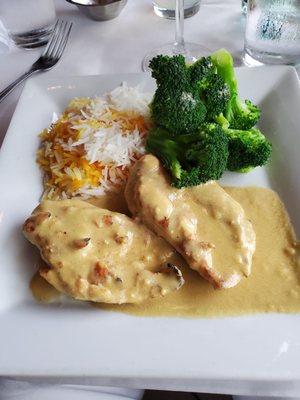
[273, 286]
[42, 291]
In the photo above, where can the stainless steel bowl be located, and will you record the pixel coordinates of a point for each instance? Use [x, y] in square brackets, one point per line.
[100, 10]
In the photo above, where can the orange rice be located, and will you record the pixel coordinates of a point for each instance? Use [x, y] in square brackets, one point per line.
[67, 170]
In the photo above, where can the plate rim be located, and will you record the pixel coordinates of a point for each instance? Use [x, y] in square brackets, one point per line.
[39, 80]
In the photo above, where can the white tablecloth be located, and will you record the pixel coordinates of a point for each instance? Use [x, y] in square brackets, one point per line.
[107, 47]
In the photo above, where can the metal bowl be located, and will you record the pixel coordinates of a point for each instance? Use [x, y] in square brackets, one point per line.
[99, 10]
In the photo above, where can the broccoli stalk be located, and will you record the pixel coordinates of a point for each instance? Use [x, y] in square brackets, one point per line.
[161, 143]
[193, 158]
[248, 147]
[239, 114]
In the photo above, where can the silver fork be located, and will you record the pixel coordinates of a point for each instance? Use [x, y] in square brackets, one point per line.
[50, 56]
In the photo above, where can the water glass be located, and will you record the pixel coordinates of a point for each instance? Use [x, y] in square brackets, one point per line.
[244, 6]
[28, 22]
[166, 8]
[273, 32]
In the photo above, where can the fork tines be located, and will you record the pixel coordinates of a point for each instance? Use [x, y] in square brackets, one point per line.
[58, 40]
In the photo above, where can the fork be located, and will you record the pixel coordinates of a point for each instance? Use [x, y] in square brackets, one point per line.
[50, 56]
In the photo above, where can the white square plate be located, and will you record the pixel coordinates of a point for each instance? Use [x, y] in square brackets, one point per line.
[256, 354]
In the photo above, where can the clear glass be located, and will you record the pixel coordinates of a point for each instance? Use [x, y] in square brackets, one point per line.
[166, 8]
[272, 32]
[244, 6]
[28, 22]
[191, 51]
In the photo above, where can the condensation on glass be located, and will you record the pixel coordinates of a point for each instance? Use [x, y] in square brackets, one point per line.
[273, 31]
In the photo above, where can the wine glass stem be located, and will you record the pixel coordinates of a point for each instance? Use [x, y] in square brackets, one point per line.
[179, 47]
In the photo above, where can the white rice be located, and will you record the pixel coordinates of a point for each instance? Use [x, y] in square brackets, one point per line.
[102, 136]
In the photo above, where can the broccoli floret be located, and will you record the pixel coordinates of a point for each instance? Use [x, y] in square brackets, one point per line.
[201, 70]
[166, 70]
[215, 96]
[180, 112]
[247, 149]
[176, 105]
[242, 115]
[214, 92]
[239, 114]
[193, 158]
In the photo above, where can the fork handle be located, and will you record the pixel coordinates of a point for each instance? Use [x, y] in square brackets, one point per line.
[14, 84]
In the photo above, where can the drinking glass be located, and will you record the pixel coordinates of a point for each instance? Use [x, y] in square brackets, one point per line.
[166, 8]
[272, 32]
[28, 22]
[244, 6]
[191, 51]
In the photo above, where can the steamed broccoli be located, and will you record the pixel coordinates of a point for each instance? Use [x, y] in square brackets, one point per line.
[239, 114]
[169, 71]
[247, 149]
[176, 105]
[193, 158]
[179, 112]
[203, 118]
[202, 70]
[214, 92]
[215, 96]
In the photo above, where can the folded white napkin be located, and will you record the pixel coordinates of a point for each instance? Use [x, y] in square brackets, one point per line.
[11, 389]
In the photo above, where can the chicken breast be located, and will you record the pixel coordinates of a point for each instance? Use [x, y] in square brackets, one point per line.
[98, 255]
[203, 223]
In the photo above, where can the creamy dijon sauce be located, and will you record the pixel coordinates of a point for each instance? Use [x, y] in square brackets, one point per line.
[99, 255]
[111, 201]
[42, 291]
[273, 286]
[203, 223]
